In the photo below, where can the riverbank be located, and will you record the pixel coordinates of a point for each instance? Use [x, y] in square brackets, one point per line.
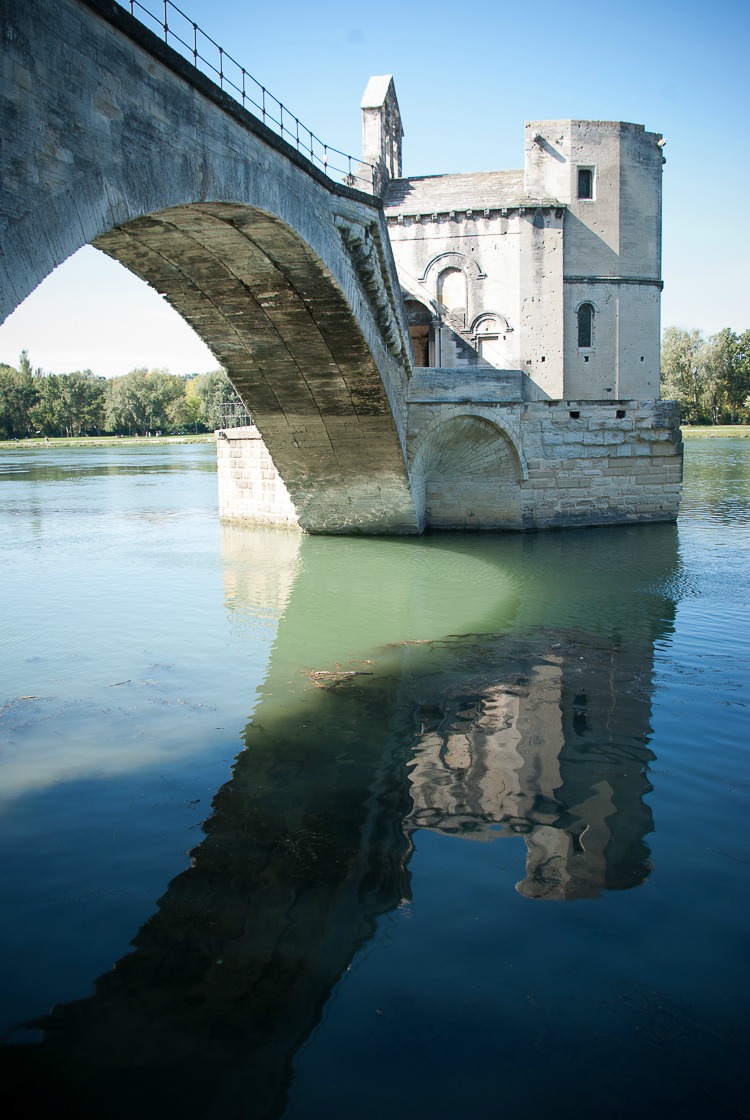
[709, 431]
[715, 431]
[104, 441]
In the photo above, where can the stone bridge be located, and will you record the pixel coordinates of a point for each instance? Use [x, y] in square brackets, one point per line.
[111, 138]
[532, 297]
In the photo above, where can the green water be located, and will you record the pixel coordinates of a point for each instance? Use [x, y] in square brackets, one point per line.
[466, 814]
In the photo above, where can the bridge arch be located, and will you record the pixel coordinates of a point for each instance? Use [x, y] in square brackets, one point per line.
[288, 277]
[468, 473]
[281, 326]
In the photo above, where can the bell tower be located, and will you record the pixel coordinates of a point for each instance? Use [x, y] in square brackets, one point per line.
[382, 133]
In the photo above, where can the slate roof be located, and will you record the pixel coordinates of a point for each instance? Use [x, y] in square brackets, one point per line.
[479, 190]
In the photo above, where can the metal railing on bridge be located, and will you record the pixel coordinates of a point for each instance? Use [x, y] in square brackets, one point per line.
[233, 414]
[181, 32]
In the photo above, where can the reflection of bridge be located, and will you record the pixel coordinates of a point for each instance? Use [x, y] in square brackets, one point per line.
[544, 736]
[110, 137]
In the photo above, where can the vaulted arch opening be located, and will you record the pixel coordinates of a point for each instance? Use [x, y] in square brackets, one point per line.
[289, 339]
[470, 474]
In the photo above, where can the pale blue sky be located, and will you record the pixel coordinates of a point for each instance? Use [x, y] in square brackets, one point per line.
[467, 78]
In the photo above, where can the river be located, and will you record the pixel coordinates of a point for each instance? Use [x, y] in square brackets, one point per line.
[323, 828]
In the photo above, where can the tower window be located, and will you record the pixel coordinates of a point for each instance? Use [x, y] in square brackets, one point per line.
[585, 326]
[585, 182]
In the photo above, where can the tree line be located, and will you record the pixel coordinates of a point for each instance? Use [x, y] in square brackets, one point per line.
[708, 377]
[35, 403]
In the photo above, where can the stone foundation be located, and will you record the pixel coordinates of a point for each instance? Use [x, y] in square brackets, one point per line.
[517, 466]
[250, 488]
[590, 463]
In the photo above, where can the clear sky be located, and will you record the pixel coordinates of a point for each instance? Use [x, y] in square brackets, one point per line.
[467, 78]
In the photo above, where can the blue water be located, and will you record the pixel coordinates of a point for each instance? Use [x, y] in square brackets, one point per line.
[467, 815]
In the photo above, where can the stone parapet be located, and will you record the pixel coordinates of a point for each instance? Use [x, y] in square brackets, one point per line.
[480, 383]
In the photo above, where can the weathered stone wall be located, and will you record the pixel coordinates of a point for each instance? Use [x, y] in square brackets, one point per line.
[510, 257]
[522, 252]
[611, 464]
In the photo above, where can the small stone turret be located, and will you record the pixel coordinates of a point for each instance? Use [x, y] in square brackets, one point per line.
[382, 133]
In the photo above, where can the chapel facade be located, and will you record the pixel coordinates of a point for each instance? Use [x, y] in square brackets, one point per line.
[551, 272]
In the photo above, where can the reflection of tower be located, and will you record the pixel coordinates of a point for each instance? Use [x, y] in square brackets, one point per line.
[554, 749]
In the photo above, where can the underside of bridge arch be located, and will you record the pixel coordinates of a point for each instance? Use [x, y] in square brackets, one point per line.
[286, 334]
[470, 476]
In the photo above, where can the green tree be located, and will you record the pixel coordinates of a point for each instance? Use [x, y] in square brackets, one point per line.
[216, 394]
[141, 400]
[714, 397]
[17, 398]
[732, 364]
[187, 412]
[69, 404]
[46, 414]
[683, 371]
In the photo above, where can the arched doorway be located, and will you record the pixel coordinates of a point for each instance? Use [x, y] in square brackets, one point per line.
[419, 321]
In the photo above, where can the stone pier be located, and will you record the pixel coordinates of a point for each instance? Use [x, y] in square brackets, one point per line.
[536, 465]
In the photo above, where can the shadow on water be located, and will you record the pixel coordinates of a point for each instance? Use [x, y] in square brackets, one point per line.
[534, 724]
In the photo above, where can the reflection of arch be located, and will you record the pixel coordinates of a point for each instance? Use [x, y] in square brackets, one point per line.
[471, 472]
[454, 260]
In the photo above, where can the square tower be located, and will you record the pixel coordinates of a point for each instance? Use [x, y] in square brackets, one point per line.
[609, 176]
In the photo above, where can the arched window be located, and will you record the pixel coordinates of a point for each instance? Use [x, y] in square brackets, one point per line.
[585, 326]
[452, 292]
[490, 332]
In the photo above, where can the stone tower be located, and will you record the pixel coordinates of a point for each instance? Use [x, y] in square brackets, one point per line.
[608, 176]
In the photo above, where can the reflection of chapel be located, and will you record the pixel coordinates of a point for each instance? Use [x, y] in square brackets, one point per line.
[551, 274]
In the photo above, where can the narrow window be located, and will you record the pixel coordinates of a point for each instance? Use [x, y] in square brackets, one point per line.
[585, 326]
[585, 182]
